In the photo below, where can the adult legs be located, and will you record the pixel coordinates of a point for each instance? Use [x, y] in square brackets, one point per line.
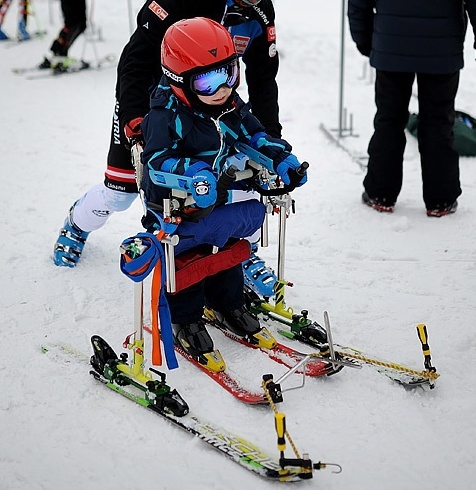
[119, 189]
[74, 14]
[93, 209]
[4, 6]
[387, 145]
[439, 161]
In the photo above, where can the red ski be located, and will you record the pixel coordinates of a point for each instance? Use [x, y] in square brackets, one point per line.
[289, 357]
[224, 379]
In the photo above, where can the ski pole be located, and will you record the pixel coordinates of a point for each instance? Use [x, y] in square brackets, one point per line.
[280, 425]
[423, 336]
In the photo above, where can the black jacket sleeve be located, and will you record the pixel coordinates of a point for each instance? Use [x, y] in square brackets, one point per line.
[261, 60]
[361, 17]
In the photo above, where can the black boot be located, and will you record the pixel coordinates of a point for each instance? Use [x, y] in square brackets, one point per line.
[195, 340]
[239, 321]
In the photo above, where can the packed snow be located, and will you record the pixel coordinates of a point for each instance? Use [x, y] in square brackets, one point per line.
[377, 275]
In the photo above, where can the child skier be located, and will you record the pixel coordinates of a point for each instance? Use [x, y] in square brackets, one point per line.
[195, 119]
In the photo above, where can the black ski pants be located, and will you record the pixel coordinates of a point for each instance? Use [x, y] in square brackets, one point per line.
[74, 15]
[222, 292]
[439, 161]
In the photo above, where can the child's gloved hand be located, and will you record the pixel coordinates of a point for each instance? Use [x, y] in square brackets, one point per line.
[287, 168]
[204, 188]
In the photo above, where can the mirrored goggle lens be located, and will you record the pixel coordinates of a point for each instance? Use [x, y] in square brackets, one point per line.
[209, 82]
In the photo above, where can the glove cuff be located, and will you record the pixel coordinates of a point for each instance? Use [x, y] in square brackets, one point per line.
[197, 167]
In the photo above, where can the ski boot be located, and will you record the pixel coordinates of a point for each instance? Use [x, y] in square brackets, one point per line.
[3, 36]
[66, 64]
[195, 340]
[22, 33]
[442, 209]
[260, 278]
[70, 243]
[62, 64]
[382, 205]
[45, 64]
[243, 324]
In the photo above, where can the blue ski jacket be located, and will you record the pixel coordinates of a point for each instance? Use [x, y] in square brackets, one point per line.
[416, 36]
[178, 137]
[192, 138]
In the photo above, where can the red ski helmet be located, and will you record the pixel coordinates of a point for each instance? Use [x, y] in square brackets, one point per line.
[198, 56]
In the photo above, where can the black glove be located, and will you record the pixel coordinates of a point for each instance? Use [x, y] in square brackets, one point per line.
[364, 49]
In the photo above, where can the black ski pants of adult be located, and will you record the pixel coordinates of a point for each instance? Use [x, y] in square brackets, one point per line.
[75, 20]
[439, 161]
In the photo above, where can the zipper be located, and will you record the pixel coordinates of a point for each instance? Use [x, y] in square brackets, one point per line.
[222, 138]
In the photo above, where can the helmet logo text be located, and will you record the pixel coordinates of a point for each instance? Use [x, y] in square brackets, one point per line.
[173, 76]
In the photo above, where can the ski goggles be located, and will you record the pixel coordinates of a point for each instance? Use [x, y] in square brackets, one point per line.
[208, 83]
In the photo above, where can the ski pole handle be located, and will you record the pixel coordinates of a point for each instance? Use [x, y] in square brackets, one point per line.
[301, 170]
[423, 336]
[280, 424]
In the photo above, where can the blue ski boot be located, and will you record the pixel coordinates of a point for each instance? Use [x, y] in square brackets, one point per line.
[258, 277]
[3, 36]
[70, 243]
[23, 34]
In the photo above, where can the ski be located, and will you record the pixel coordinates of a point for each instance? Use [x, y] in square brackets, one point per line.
[300, 328]
[281, 354]
[224, 379]
[158, 397]
[239, 450]
[289, 357]
[16, 41]
[407, 377]
[35, 73]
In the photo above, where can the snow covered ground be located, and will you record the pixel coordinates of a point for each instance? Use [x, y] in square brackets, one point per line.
[377, 275]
